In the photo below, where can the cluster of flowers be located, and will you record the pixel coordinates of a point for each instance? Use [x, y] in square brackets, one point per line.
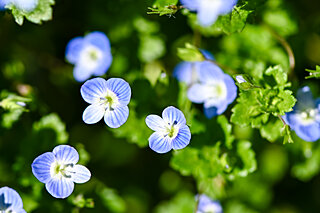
[208, 84]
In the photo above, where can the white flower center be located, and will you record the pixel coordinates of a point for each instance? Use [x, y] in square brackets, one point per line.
[215, 92]
[308, 116]
[110, 100]
[60, 170]
[172, 130]
[90, 57]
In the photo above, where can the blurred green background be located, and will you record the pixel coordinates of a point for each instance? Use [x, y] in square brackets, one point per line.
[127, 176]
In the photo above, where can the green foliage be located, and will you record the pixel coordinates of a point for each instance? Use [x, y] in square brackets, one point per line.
[164, 7]
[112, 200]
[13, 106]
[314, 73]
[226, 24]
[43, 12]
[256, 106]
[190, 53]
[184, 201]
[52, 122]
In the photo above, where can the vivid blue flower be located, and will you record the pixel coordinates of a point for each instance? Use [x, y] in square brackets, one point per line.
[10, 201]
[171, 131]
[188, 71]
[209, 10]
[305, 117]
[91, 55]
[24, 5]
[216, 90]
[108, 99]
[206, 205]
[59, 170]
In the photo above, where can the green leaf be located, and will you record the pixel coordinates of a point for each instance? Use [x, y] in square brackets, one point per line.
[244, 82]
[164, 7]
[286, 133]
[43, 12]
[190, 53]
[112, 200]
[272, 130]
[227, 129]
[184, 202]
[247, 156]
[53, 122]
[314, 73]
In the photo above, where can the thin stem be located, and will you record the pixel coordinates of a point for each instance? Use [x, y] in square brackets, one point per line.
[283, 121]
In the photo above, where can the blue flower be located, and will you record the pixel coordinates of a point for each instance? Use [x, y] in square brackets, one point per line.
[188, 71]
[171, 131]
[206, 205]
[108, 99]
[24, 5]
[91, 55]
[216, 89]
[209, 10]
[10, 201]
[59, 170]
[305, 117]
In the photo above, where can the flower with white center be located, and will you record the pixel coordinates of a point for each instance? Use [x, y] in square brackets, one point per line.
[10, 201]
[209, 10]
[108, 99]
[91, 55]
[171, 131]
[59, 170]
[305, 117]
[206, 205]
[187, 72]
[216, 90]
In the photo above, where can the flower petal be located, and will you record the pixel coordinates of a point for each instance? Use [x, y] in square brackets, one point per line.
[208, 12]
[104, 64]
[183, 138]
[309, 132]
[81, 73]
[183, 72]
[198, 93]
[121, 88]
[66, 154]
[81, 175]
[227, 6]
[116, 117]
[231, 87]
[156, 123]
[209, 72]
[173, 115]
[92, 90]
[41, 166]
[93, 113]
[10, 198]
[73, 49]
[98, 39]
[159, 143]
[207, 55]
[305, 99]
[60, 187]
[190, 4]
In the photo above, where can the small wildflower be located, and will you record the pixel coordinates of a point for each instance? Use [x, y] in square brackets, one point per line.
[305, 117]
[216, 89]
[206, 205]
[10, 201]
[171, 131]
[209, 10]
[187, 72]
[108, 99]
[59, 170]
[91, 55]
[24, 5]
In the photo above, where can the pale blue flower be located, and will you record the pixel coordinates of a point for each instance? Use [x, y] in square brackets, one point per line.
[91, 55]
[207, 205]
[187, 72]
[171, 131]
[59, 170]
[209, 10]
[10, 201]
[305, 117]
[108, 99]
[24, 5]
[216, 90]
